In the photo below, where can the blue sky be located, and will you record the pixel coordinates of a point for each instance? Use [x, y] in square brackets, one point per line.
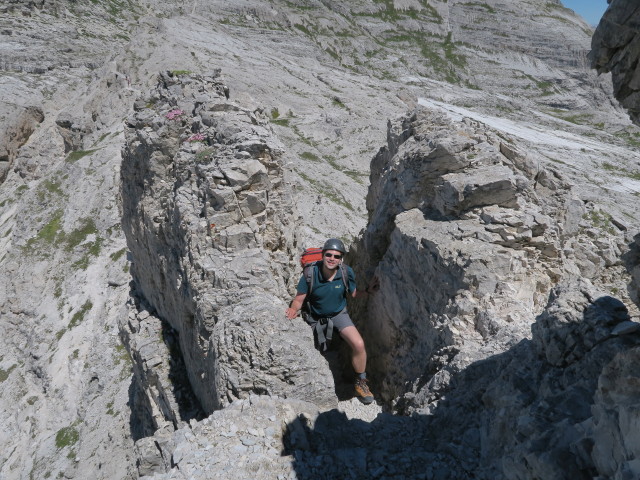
[590, 10]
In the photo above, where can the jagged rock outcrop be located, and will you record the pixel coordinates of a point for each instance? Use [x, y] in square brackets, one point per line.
[467, 234]
[208, 223]
[616, 49]
[327, 75]
[20, 128]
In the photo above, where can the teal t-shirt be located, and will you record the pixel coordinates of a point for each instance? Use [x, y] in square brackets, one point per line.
[328, 297]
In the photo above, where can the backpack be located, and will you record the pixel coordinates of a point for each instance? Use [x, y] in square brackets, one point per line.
[323, 327]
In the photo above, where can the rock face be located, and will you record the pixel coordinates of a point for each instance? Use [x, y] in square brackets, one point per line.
[616, 49]
[467, 234]
[208, 222]
[468, 239]
[166, 352]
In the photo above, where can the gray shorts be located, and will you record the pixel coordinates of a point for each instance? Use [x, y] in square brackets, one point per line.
[342, 320]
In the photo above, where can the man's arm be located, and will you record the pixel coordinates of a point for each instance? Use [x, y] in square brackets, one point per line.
[296, 305]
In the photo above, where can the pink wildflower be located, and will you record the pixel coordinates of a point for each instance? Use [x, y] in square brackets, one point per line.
[196, 137]
[173, 114]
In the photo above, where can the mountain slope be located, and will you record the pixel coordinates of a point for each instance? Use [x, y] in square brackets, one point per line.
[328, 78]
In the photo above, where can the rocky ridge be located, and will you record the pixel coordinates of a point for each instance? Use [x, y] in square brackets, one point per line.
[327, 95]
[207, 219]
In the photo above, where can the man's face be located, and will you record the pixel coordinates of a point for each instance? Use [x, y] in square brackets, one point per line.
[331, 259]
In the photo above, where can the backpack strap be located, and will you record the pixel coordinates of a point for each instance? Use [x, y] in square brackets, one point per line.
[308, 276]
[345, 278]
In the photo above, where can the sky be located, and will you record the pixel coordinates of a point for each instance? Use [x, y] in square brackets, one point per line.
[590, 10]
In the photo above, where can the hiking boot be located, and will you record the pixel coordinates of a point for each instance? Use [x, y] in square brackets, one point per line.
[362, 390]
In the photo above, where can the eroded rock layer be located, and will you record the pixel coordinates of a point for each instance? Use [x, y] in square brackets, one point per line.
[209, 227]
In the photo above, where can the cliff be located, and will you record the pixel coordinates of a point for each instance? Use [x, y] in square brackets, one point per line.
[163, 165]
[615, 49]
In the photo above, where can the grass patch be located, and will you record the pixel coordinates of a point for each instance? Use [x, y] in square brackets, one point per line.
[117, 255]
[67, 436]
[205, 155]
[327, 193]
[632, 138]
[177, 73]
[310, 156]
[78, 317]
[122, 357]
[621, 171]
[336, 101]
[303, 29]
[48, 187]
[601, 220]
[488, 8]
[80, 234]
[579, 119]
[440, 53]
[4, 374]
[48, 234]
[78, 154]
[278, 120]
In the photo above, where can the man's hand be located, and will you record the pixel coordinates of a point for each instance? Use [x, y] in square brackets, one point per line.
[296, 305]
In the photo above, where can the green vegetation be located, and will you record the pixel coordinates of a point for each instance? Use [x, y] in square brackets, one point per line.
[78, 154]
[600, 220]
[275, 118]
[621, 171]
[4, 374]
[47, 188]
[67, 436]
[545, 86]
[123, 358]
[205, 155]
[310, 156]
[326, 192]
[440, 53]
[101, 139]
[110, 410]
[79, 236]
[632, 138]
[80, 314]
[117, 255]
[177, 73]
[488, 8]
[336, 101]
[303, 29]
[49, 234]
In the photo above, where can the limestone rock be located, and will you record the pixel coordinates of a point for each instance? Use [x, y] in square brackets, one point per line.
[616, 49]
[207, 221]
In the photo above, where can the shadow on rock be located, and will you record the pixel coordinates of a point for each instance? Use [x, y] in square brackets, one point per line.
[160, 395]
[525, 413]
[631, 260]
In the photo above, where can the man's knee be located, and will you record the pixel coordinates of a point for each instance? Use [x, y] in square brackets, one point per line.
[358, 346]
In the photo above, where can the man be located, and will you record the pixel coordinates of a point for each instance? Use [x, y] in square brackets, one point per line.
[328, 300]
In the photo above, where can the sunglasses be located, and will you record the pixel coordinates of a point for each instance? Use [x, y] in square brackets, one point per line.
[333, 255]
